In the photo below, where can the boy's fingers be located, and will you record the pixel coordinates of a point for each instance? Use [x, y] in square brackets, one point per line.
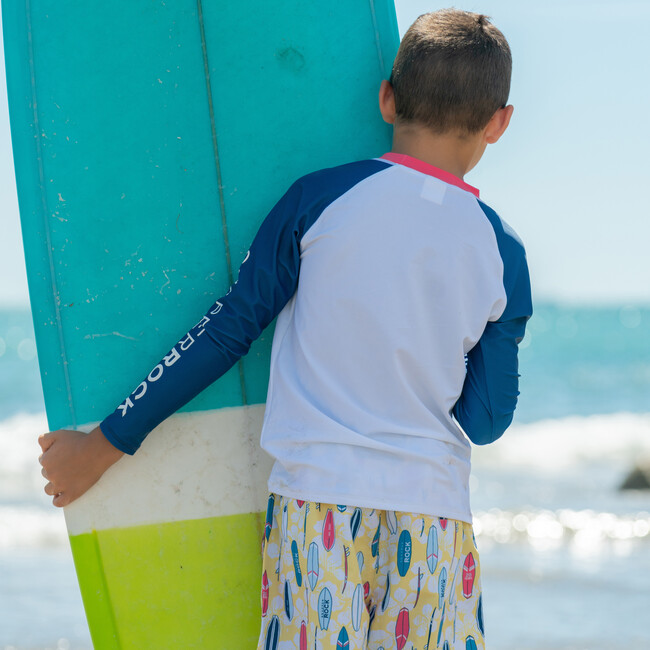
[45, 440]
[50, 490]
[60, 500]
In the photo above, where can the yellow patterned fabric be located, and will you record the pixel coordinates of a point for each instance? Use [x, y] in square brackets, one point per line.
[345, 578]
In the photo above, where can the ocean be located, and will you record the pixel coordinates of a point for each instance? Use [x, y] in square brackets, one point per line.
[565, 553]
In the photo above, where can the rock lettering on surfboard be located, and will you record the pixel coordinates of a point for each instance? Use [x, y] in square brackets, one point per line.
[404, 552]
[470, 643]
[432, 549]
[442, 584]
[402, 628]
[343, 642]
[312, 565]
[357, 607]
[272, 634]
[265, 594]
[303, 636]
[386, 599]
[328, 530]
[355, 522]
[391, 521]
[296, 562]
[324, 608]
[288, 600]
[269, 517]
[469, 573]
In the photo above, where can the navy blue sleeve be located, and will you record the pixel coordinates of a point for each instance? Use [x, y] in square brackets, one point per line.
[489, 397]
[267, 279]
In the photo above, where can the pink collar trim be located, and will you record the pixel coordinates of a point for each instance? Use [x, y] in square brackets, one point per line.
[426, 168]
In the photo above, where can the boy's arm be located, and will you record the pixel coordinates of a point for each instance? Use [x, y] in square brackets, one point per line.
[489, 397]
[73, 461]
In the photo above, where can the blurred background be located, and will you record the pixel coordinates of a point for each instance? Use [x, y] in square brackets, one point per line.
[565, 552]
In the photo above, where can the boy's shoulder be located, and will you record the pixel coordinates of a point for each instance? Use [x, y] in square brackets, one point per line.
[339, 179]
[507, 239]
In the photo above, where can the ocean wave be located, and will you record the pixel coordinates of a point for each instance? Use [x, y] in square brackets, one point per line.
[555, 446]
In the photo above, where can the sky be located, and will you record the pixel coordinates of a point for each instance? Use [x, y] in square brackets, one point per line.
[569, 173]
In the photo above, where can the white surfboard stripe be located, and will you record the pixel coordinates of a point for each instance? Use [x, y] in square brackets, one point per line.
[193, 465]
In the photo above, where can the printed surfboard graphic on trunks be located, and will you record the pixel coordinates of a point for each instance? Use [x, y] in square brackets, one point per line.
[357, 607]
[469, 573]
[443, 523]
[343, 642]
[386, 599]
[288, 600]
[432, 549]
[269, 517]
[402, 628]
[417, 595]
[391, 521]
[433, 615]
[272, 634]
[479, 615]
[312, 565]
[470, 643]
[324, 608]
[285, 522]
[296, 562]
[404, 552]
[360, 561]
[346, 554]
[355, 522]
[442, 622]
[374, 547]
[328, 530]
[265, 594]
[303, 636]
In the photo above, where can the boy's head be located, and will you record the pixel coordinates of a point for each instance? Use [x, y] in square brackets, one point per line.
[452, 72]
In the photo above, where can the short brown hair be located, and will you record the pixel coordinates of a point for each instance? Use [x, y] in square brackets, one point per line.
[452, 72]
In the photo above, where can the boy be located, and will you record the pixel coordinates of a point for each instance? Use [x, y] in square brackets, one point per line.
[401, 299]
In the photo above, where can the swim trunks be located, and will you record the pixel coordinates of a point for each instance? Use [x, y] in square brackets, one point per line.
[348, 578]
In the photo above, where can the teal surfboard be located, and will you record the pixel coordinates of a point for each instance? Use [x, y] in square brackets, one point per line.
[150, 139]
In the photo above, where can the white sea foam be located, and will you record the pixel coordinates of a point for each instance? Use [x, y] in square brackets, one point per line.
[554, 446]
[555, 456]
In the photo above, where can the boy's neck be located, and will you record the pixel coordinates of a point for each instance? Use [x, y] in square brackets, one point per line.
[452, 153]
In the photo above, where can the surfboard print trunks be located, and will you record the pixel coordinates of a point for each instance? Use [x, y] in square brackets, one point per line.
[342, 577]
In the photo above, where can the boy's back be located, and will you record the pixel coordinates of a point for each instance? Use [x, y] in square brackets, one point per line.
[401, 267]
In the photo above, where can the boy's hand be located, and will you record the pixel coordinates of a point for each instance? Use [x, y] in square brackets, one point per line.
[74, 461]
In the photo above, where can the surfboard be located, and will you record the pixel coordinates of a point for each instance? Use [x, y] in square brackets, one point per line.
[150, 139]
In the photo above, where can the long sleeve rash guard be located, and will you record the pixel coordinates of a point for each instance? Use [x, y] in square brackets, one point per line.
[401, 299]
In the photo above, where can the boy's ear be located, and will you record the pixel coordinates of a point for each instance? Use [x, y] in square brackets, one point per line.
[387, 102]
[498, 124]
